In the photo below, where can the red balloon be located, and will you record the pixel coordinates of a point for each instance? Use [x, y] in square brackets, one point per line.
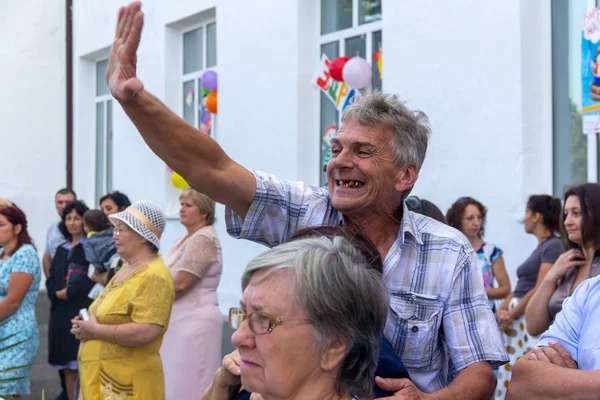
[336, 67]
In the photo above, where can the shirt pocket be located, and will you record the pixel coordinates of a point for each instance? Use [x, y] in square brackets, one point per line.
[416, 318]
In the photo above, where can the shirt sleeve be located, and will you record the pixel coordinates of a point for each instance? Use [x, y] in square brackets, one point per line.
[566, 328]
[276, 213]
[49, 240]
[471, 331]
[200, 253]
[25, 260]
[152, 301]
[551, 253]
[496, 253]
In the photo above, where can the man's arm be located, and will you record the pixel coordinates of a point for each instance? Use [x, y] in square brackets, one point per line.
[477, 381]
[194, 155]
[540, 380]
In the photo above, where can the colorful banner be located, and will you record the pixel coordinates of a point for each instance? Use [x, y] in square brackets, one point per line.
[338, 92]
[590, 71]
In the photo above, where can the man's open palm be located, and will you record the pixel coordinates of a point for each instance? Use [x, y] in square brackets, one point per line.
[121, 70]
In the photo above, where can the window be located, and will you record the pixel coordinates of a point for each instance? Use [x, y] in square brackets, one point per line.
[575, 154]
[104, 133]
[199, 54]
[348, 28]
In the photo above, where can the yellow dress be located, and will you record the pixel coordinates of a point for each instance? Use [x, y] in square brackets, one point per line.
[109, 371]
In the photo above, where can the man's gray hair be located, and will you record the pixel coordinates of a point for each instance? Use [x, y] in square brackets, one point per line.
[410, 127]
[342, 295]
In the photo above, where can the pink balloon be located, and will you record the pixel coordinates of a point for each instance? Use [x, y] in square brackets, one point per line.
[357, 73]
[169, 169]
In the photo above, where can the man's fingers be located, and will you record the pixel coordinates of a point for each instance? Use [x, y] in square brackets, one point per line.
[121, 22]
[134, 9]
[135, 32]
[541, 356]
[392, 385]
[554, 357]
[566, 356]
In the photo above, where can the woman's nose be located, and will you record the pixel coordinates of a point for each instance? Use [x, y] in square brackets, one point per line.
[243, 336]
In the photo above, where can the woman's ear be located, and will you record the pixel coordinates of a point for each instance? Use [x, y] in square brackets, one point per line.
[333, 355]
[17, 229]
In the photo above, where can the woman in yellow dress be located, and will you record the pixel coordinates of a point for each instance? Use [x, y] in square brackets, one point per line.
[119, 354]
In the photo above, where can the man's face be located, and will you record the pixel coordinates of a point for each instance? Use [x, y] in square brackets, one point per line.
[61, 202]
[362, 174]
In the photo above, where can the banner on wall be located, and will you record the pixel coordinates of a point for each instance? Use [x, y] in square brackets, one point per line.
[338, 92]
[590, 71]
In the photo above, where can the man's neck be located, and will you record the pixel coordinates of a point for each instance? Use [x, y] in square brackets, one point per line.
[380, 228]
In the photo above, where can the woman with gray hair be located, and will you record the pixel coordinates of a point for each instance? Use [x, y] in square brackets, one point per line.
[310, 321]
[118, 356]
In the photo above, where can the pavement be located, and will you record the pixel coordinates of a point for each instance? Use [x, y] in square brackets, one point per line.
[45, 378]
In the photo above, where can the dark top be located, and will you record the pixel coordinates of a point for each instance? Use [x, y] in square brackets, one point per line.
[546, 252]
[99, 249]
[388, 366]
[69, 269]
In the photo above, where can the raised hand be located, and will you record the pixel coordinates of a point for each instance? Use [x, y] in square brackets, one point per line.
[122, 62]
[567, 260]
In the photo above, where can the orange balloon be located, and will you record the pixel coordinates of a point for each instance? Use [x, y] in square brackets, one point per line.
[211, 102]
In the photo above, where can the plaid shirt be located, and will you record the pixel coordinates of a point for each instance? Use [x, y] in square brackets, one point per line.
[439, 321]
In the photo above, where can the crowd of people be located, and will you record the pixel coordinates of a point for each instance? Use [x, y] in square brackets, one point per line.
[365, 291]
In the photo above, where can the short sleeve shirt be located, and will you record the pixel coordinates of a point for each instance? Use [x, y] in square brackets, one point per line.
[546, 252]
[54, 238]
[576, 327]
[440, 321]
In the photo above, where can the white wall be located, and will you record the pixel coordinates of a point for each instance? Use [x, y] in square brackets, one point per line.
[481, 72]
[264, 68]
[32, 120]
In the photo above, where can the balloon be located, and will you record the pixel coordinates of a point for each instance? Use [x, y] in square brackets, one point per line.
[211, 102]
[169, 168]
[178, 181]
[357, 73]
[205, 91]
[209, 80]
[336, 67]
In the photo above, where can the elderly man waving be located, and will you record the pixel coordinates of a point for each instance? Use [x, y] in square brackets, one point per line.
[440, 323]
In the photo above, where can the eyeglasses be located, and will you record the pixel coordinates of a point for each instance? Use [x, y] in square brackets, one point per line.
[259, 322]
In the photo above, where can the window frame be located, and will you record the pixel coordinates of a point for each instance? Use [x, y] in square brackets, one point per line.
[340, 36]
[195, 76]
[104, 171]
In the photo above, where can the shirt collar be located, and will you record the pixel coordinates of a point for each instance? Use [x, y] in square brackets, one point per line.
[408, 225]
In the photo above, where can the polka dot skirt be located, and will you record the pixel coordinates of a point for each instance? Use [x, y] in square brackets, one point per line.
[518, 342]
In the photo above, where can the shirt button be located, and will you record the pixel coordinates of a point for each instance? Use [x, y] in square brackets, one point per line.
[415, 329]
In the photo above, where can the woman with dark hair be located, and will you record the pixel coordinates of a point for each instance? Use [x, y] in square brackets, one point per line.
[68, 286]
[469, 216]
[580, 232]
[542, 219]
[20, 274]
[114, 202]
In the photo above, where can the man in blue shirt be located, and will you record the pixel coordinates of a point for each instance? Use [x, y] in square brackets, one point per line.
[566, 362]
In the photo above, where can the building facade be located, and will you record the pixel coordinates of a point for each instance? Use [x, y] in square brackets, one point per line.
[498, 81]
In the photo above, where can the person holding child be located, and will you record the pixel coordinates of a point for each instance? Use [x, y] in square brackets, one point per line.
[68, 287]
[99, 248]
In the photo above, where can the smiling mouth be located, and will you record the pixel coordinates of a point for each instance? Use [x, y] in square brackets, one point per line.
[349, 183]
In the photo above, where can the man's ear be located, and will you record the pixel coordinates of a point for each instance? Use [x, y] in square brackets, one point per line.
[406, 178]
[333, 355]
